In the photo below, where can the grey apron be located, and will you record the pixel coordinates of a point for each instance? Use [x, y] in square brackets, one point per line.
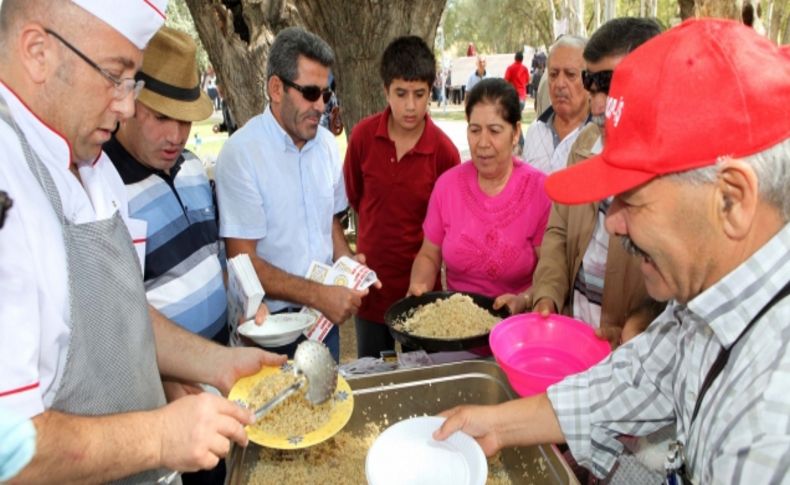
[111, 362]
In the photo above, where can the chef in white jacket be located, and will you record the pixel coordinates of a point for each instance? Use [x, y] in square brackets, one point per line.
[81, 354]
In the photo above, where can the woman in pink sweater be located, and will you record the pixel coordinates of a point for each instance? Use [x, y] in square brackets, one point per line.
[486, 218]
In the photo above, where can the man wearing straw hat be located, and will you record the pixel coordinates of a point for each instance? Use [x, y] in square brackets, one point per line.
[168, 189]
[699, 171]
[79, 352]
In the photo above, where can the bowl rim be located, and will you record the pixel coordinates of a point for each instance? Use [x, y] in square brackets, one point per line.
[497, 340]
[297, 327]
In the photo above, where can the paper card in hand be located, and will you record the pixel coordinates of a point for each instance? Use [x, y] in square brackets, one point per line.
[245, 293]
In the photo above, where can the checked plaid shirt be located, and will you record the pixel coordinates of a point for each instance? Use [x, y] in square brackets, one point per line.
[742, 432]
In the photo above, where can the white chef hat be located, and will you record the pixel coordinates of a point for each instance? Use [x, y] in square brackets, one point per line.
[137, 20]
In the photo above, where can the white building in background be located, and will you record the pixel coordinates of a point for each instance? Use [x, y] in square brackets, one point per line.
[496, 64]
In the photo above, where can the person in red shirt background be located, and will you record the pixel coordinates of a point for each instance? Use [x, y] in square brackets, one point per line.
[518, 75]
[393, 160]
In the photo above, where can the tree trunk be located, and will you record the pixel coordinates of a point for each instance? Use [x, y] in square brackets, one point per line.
[597, 15]
[775, 17]
[359, 31]
[577, 18]
[553, 13]
[687, 9]
[728, 9]
[610, 10]
[237, 36]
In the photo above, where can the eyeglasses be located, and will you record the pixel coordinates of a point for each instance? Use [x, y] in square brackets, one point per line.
[310, 93]
[600, 80]
[122, 86]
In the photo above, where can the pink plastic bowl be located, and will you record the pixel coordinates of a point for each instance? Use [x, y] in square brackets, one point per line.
[535, 351]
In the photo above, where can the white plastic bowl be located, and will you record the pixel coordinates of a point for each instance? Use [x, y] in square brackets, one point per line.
[406, 453]
[277, 330]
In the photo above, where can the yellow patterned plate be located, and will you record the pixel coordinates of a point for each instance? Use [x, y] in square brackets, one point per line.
[341, 412]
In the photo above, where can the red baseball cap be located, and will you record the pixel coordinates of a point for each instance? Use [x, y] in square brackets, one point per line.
[704, 89]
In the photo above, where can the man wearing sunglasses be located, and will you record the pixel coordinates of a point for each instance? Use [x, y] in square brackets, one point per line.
[576, 254]
[576, 257]
[280, 187]
[703, 200]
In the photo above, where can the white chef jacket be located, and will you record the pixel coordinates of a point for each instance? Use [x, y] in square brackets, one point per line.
[34, 295]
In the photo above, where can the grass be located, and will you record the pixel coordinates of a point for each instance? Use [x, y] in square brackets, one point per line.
[211, 143]
[456, 113]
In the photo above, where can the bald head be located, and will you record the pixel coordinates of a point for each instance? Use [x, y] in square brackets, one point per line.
[14, 14]
[64, 64]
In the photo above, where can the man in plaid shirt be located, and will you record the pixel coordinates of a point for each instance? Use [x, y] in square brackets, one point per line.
[697, 154]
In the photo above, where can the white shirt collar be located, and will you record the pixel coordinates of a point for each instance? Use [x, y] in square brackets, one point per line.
[50, 144]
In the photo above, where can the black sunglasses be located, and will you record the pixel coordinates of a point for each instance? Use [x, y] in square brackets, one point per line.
[310, 93]
[600, 80]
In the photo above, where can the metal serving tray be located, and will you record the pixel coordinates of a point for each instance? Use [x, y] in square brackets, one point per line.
[389, 397]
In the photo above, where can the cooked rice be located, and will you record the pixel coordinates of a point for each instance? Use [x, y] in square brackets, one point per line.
[497, 473]
[449, 318]
[295, 416]
[339, 460]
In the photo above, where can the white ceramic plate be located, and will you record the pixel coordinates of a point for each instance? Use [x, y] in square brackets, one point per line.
[277, 330]
[405, 453]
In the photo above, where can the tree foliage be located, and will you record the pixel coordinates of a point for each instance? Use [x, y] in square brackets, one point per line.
[178, 17]
[359, 31]
[237, 33]
[505, 25]
[481, 22]
[496, 25]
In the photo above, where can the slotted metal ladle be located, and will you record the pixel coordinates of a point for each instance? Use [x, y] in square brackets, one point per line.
[316, 369]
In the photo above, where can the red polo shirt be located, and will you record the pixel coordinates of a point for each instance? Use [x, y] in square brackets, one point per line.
[391, 198]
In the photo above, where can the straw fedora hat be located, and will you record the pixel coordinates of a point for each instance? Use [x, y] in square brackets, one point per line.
[172, 86]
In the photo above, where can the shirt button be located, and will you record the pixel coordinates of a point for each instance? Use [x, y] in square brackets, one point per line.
[392, 159]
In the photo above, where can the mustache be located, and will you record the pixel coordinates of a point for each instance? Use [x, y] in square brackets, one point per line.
[631, 248]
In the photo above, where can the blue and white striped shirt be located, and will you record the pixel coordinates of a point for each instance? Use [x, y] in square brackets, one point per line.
[183, 256]
[742, 432]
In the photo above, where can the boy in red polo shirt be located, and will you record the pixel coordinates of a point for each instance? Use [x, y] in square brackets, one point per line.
[393, 160]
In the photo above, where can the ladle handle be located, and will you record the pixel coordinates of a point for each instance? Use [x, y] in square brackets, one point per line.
[263, 410]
